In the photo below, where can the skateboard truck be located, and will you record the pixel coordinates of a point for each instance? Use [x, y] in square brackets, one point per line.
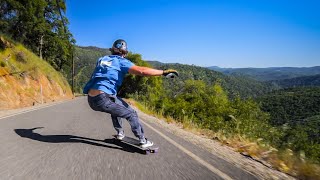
[135, 144]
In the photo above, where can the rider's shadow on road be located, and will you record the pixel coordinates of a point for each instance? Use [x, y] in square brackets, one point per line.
[28, 133]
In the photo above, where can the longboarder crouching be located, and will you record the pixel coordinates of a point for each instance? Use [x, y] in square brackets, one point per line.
[103, 86]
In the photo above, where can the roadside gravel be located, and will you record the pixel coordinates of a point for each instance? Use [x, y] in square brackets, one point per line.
[227, 153]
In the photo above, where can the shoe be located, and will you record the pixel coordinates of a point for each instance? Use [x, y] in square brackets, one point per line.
[120, 136]
[144, 143]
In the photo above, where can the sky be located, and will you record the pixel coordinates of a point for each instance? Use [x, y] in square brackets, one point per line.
[224, 33]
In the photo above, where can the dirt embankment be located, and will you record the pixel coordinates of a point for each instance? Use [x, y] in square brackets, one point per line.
[24, 91]
[27, 80]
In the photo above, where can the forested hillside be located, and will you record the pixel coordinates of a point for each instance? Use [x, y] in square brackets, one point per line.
[85, 61]
[297, 112]
[291, 105]
[268, 74]
[298, 81]
[234, 85]
[285, 119]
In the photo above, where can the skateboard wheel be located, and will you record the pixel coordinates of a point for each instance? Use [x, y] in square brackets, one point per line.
[155, 151]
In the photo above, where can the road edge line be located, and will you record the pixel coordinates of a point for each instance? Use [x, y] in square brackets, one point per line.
[189, 153]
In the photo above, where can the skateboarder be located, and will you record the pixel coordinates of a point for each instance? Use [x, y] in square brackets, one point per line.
[104, 83]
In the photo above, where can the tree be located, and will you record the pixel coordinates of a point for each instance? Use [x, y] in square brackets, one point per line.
[30, 22]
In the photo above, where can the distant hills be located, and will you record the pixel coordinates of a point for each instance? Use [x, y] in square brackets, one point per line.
[298, 81]
[269, 74]
[235, 85]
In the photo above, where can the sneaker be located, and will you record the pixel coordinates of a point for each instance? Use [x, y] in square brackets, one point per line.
[120, 136]
[144, 143]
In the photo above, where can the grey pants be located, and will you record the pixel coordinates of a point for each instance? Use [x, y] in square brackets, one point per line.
[118, 109]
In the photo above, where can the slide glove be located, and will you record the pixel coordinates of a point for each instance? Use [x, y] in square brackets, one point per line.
[170, 73]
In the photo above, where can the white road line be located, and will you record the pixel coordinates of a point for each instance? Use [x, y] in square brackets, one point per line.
[34, 109]
[195, 157]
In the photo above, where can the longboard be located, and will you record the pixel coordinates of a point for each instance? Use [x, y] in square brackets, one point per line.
[136, 144]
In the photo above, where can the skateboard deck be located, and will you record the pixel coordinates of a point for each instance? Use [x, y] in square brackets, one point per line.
[136, 144]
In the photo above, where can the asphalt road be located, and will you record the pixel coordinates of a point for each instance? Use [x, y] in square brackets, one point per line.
[70, 141]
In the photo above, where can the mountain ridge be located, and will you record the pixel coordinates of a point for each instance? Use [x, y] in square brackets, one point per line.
[235, 85]
[270, 73]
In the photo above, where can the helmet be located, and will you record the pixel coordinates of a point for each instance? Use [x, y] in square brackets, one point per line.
[121, 45]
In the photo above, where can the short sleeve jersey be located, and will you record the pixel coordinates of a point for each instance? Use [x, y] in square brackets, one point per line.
[108, 74]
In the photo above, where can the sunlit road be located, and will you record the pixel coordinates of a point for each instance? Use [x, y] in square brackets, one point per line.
[70, 141]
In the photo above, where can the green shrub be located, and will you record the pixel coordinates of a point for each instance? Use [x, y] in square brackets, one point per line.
[2, 64]
[21, 57]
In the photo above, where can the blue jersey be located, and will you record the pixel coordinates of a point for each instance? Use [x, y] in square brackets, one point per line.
[108, 74]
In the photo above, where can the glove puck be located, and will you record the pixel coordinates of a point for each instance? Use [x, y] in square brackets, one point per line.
[170, 75]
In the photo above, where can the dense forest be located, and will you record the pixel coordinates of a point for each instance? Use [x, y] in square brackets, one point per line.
[297, 112]
[269, 74]
[298, 81]
[291, 105]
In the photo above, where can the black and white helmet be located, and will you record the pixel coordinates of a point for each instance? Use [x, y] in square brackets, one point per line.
[121, 46]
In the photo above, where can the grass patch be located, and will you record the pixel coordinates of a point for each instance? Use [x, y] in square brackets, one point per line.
[36, 66]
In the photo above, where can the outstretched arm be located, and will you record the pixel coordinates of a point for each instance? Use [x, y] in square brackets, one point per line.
[145, 71]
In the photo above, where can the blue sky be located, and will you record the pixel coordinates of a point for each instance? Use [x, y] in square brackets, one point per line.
[225, 33]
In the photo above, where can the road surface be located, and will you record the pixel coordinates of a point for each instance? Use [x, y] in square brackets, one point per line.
[70, 141]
